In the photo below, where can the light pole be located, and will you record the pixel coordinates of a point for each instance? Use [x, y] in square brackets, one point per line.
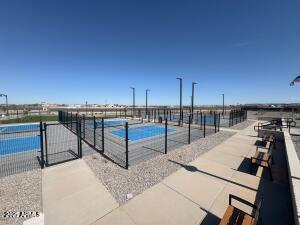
[193, 88]
[223, 107]
[147, 90]
[4, 95]
[181, 113]
[133, 101]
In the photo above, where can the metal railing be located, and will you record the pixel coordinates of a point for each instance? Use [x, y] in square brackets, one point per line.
[132, 141]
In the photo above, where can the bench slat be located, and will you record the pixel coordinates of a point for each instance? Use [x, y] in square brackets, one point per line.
[234, 216]
[261, 156]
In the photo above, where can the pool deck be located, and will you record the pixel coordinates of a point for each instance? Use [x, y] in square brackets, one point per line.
[195, 194]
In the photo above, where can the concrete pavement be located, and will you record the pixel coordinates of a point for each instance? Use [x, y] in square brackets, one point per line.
[72, 195]
[197, 193]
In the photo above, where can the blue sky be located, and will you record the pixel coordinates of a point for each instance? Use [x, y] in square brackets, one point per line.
[73, 51]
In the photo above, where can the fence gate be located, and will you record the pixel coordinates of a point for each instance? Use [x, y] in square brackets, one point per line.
[60, 143]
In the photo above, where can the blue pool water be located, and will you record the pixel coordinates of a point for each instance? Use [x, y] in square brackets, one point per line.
[142, 132]
[20, 144]
[111, 123]
[19, 128]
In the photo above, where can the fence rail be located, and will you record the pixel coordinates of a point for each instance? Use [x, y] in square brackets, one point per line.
[129, 141]
[126, 140]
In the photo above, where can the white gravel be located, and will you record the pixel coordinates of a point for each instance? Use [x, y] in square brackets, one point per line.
[140, 177]
[20, 193]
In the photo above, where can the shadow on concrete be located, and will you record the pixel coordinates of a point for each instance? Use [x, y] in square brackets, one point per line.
[245, 166]
[210, 219]
[276, 206]
[191, 168]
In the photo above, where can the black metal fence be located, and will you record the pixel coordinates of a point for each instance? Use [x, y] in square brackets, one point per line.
[19, 149]
[126, 141]
[237, 116]
[129, 141]
[32, 146]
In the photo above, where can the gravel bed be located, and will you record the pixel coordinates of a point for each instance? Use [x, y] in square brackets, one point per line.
[296, 141]
[20, 193]
[242, 125]
[140, 177]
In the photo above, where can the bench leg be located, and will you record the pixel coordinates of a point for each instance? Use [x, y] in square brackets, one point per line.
[270, 172]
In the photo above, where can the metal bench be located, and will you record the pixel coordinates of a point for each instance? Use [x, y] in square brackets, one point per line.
[264, 158]
[236, 216]
[269, 140]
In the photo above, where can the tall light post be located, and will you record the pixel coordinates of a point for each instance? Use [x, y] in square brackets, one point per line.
[4, 95]
[223, 107]
[147, 90]
[181, 113]
[193, 96]
[133, 101]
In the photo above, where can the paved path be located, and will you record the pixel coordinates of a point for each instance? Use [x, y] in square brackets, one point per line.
[197, 193]
[72, 195]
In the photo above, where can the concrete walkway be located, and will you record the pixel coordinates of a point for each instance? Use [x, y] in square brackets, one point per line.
[197, 193]
[72, 195]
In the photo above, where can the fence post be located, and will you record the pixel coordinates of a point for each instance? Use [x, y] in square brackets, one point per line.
[240, 115]
[219, 121]
[201, 120]
[71, 120]
[67, 119]
[215, 122]
[102, 131]
[83, 126]
[204, 125]
[95, 126]
[126, 143]
[166, 136]
[79, 137]
[42, 145]
[189, 138]
[46, 143]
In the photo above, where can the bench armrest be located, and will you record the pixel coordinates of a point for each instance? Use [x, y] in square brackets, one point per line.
[262, 147]
[259, 159]
[242, 201]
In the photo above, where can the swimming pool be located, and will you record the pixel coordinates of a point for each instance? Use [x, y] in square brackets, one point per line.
[111, 123]
[142, 132]
[20, 144]
[19, 128]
